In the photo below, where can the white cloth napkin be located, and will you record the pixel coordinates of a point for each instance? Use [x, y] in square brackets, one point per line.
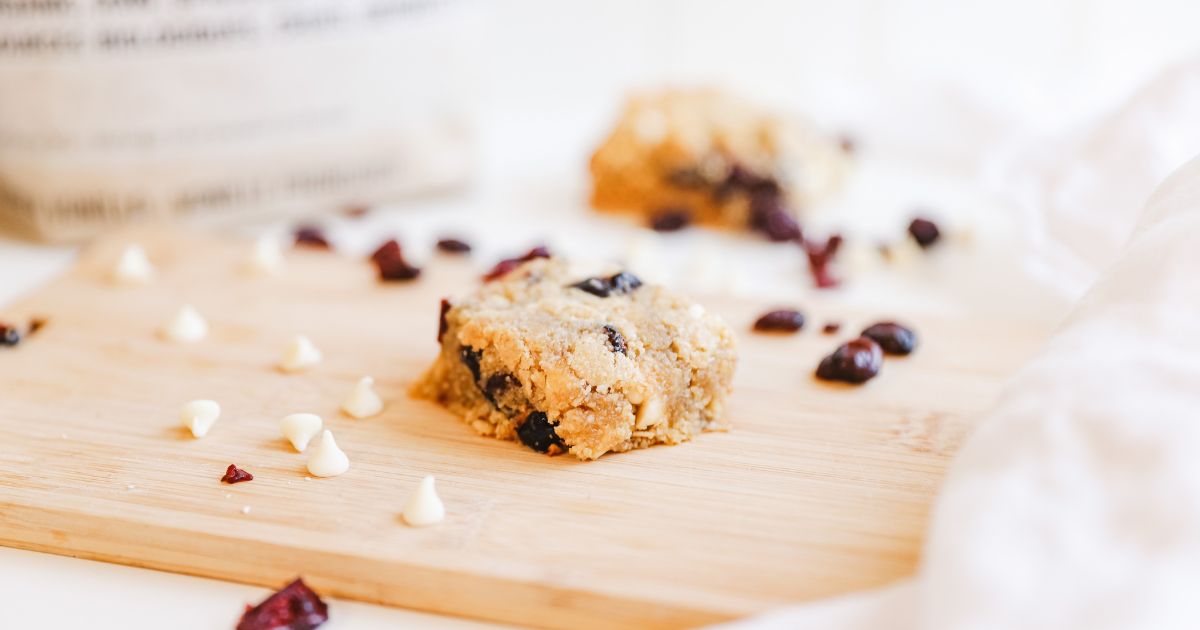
[1075, 503]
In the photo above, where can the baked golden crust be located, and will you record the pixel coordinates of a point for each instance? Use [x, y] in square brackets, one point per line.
[705, 152]
[610, 373]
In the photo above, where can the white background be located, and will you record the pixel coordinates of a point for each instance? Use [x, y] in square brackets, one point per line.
[934, 86]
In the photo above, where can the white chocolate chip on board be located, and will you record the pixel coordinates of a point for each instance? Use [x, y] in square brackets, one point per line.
[198, 416]
[300, 429]
[326, 459]
[300, 355]
[424, 507]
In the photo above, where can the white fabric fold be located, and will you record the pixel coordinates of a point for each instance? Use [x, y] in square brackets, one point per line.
[1075, 502]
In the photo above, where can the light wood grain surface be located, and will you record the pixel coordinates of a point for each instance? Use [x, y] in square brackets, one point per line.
[818, 490]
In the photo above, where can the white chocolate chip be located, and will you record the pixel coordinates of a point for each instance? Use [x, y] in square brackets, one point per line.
[363, 402]
[300, 428]
[133, 267]
[650, 413]
[199, 416]
[245, 509]
[186, 327]
[326, 459]
[424, 507]
[300, 355]
[696, 311]
[266, 256]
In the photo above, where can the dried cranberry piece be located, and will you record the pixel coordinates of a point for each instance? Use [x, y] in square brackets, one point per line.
[857, 361]
[741, 179]
[388, 250]
[470, 357]
[831, 328]
[494, 385]
[924, 232]
[389, 261]
[538, 433]
[311, 236]
[769, 215]
[745, 179]
[497, 384]
[294, 607]
[688, 178]
[892, 337]
[671, 219]
[622, 283]
[820, 260]
[781, 320]
[504, 266]
[596, 286]
[442, 325]
[453, 246]
[9, 335]
[233, 474]
[616, 341]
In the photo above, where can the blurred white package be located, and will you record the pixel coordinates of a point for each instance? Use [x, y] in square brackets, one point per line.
[119, 110]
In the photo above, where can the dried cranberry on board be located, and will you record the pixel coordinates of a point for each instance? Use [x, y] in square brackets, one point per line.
[294, 607]
[924, 232]
[508, 264]
[780, 320]
[442, 325]
[892, 337]
[389, 261]
[233, 474]
[820, 260]
[857, 361]
[671, 219]
[9, 335]
[453, 246]
[311, 236]
[537, 432]
[831, 328]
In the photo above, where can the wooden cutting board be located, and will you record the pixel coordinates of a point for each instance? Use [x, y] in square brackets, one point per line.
[818, 490]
